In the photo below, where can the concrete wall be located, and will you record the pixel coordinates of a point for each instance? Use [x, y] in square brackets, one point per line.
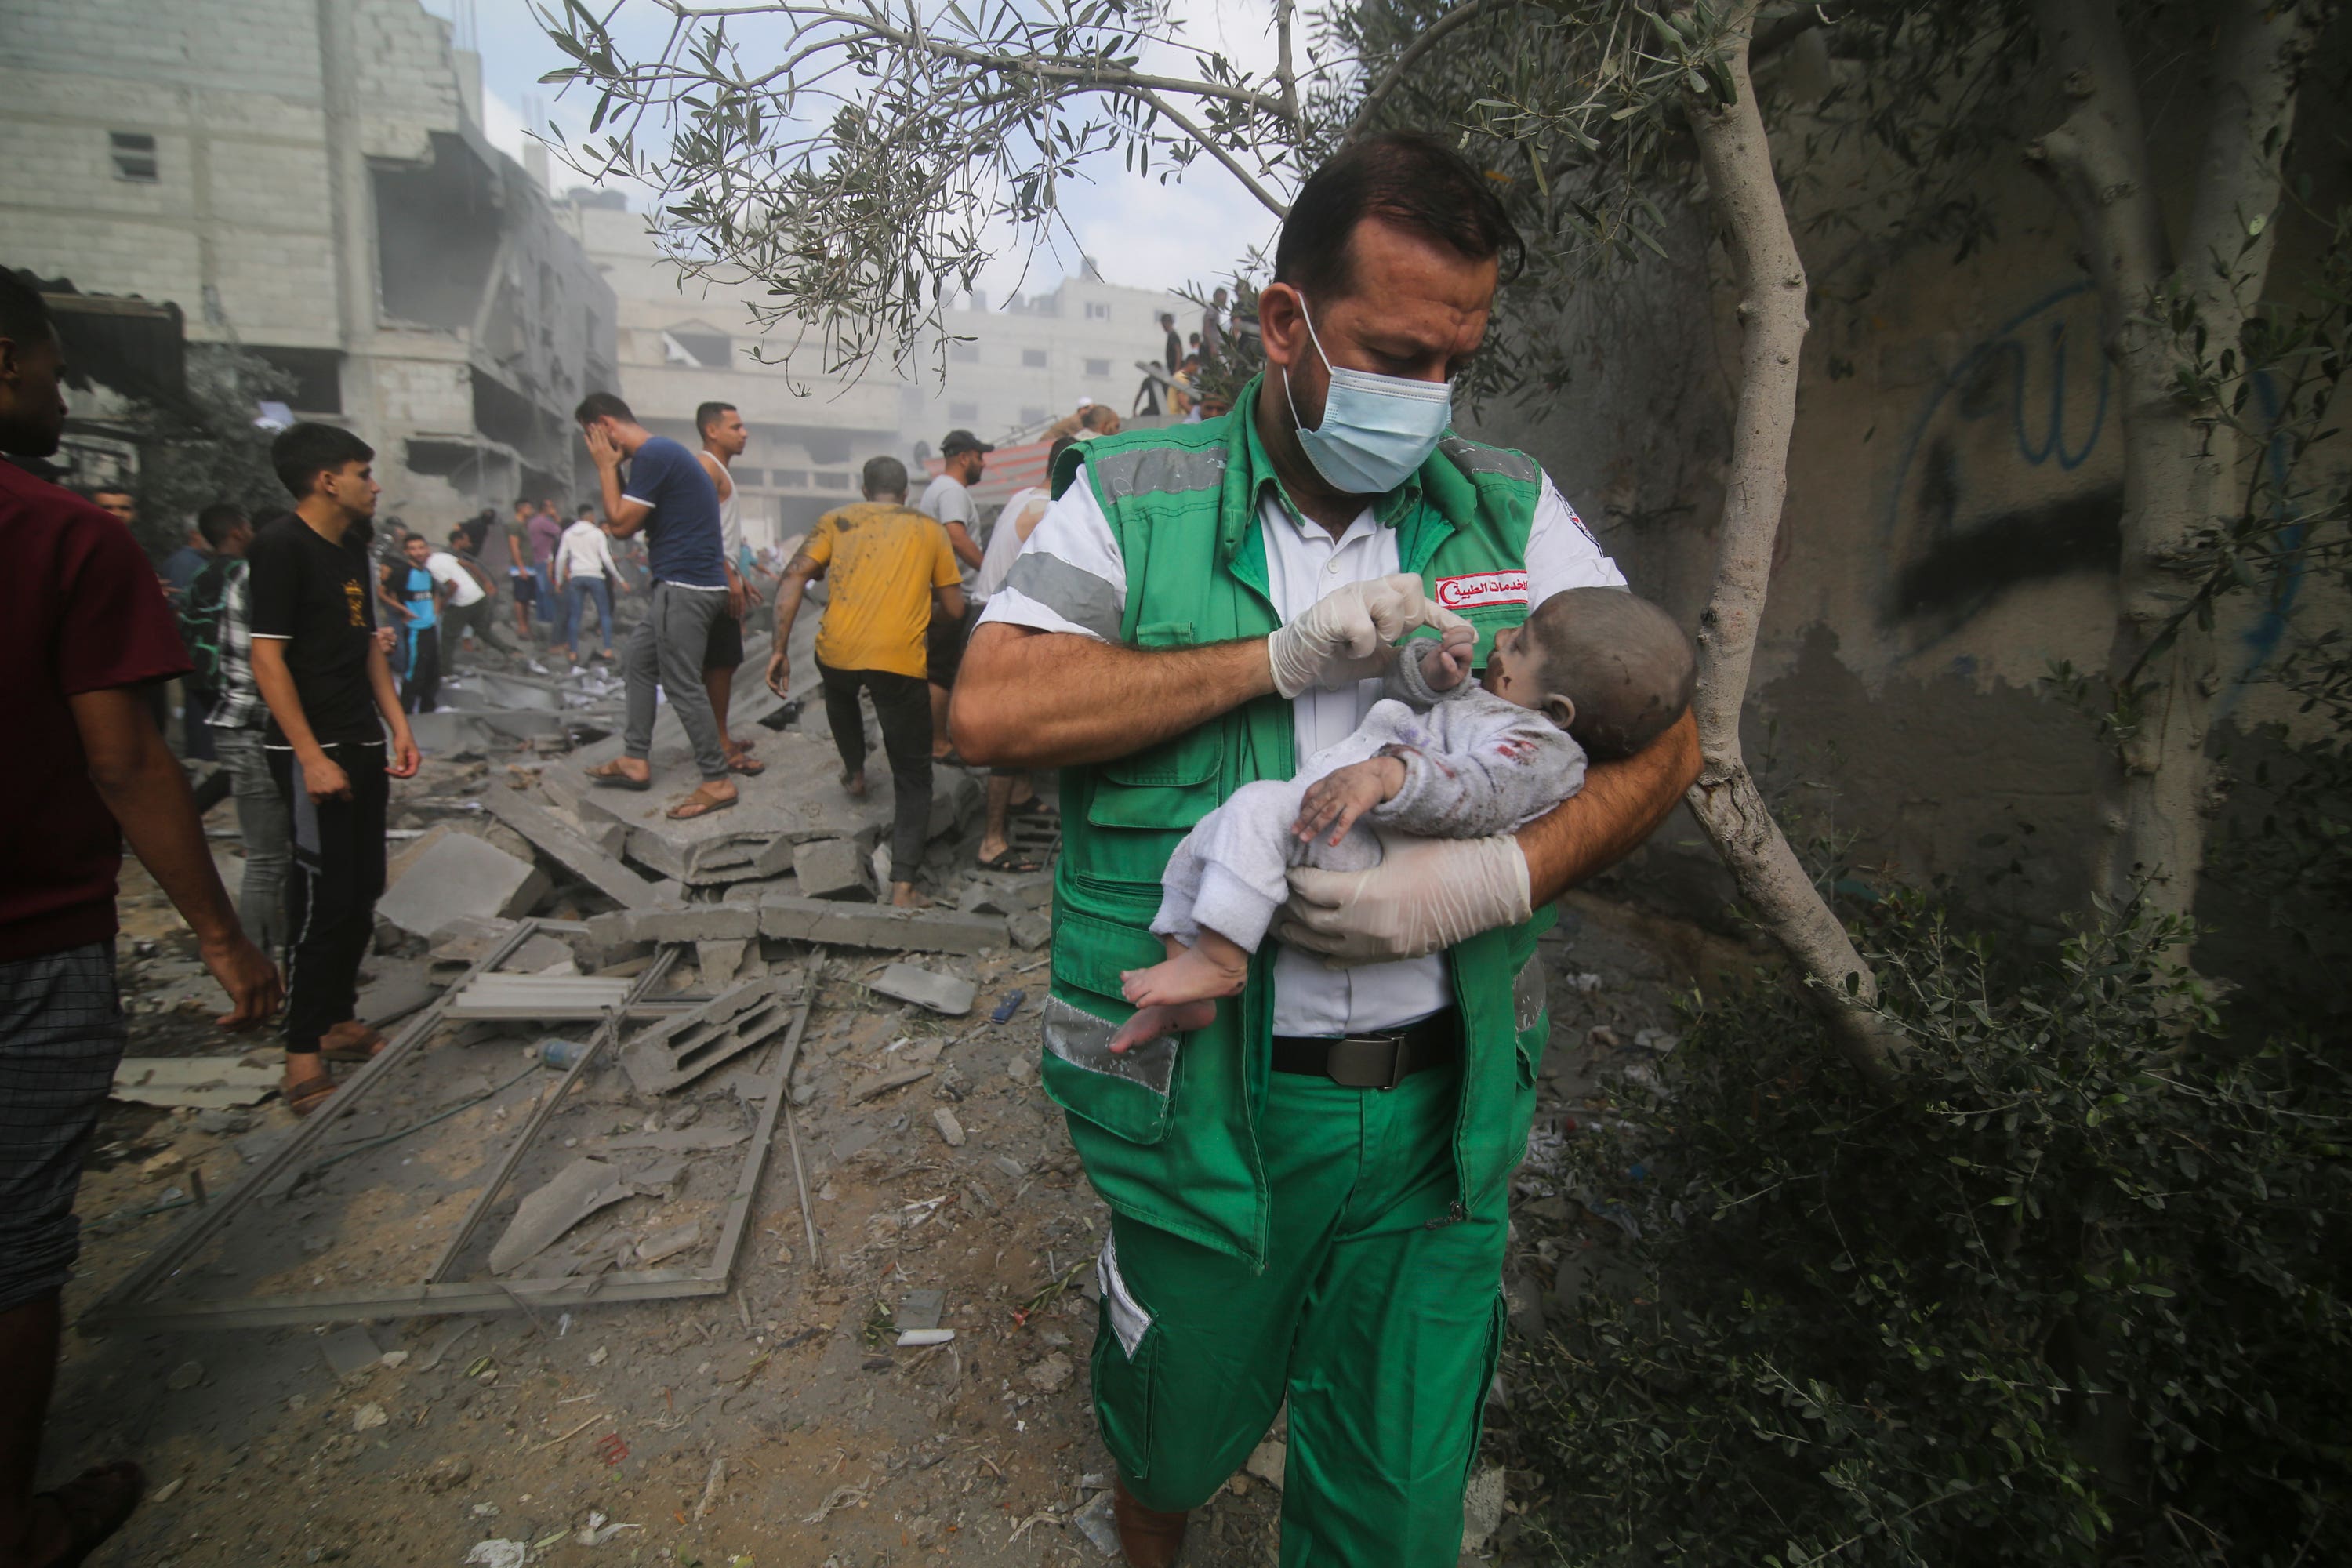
[273, 124]
[1950, 533]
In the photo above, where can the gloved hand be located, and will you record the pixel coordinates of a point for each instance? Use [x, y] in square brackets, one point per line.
[1425, 895]
[1345, 635]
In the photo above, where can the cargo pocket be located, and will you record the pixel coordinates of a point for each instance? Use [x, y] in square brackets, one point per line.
[1128, 1092]
[1126, 1351]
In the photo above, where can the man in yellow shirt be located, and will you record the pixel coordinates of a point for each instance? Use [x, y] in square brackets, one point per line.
[887, 570]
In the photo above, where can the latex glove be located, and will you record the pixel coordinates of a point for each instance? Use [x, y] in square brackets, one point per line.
[1345, 635]
[1425, 896]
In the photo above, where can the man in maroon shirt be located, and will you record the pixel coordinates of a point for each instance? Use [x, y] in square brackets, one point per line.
[83, 631]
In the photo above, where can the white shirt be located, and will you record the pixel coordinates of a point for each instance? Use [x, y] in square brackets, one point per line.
[584, 550]
[444, 567]
[1005, 541]
[945, 499]
[1304, 562]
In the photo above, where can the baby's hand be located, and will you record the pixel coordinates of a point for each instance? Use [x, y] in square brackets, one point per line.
[1343, 795]
[1445, 661]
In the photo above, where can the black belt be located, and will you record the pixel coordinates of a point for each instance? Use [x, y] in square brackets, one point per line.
[1377, 1058]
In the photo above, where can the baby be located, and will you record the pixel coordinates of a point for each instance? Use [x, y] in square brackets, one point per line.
[1595, 672]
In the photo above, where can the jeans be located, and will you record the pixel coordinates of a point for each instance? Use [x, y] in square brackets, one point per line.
[268, 830]
[577, 593]
[903, 703]
[668, 647]
[338, 876]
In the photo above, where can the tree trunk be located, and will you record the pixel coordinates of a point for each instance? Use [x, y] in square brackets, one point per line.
[2181, 471]
[1771, 280]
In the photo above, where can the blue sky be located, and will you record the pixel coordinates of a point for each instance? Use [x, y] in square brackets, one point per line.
[1139, 232]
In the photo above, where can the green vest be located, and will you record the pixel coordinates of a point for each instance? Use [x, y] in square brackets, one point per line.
[1168, 1131]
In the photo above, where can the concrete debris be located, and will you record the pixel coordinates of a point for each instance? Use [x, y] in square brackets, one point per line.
[461, 875]
[394, 997]
[664, 1244]
[681, 1049]
[539, 954]
[1482, 1506]
[570, 848]
[224, 1123]
[446, 1339]
[577, 1191]
[202, 1083]
[1050, 1376]
[1007, 895]
[878, 926]
[951, 1129]
[350, 1352]
[681, 1139]
[499, 1555]
[920, 1310]
[469, 939]
[947, 994]
[1098, 1524]
[707, 922]
[1030, 930]
[831, 868]
[720, 962]
[185, 1377]
[368, 1417]
[535, 998]
[1265, 1462]
[1019, 1069]
[448, 1472]
[881, 1083]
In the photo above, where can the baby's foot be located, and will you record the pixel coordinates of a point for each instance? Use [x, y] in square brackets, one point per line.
[1151, 1023]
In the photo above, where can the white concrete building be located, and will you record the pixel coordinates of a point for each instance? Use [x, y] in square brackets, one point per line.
[307, 180]
[685, 341]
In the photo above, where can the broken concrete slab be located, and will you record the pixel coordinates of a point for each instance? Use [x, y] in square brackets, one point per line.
[538, 954]
[351, 1353]
[878, 926]
[545, 1213]
[881, 1083]
[919, 1309]
[1266, 1462]
[538, 998]
[450, 733]
[831, 868]
[201, 1083]
[951, 1129]
[667, 1244]
[394, 997]
[679, 1050]
[1007, 895]
[461, 875]
[570, 847]
[722, 963]
[706, 922]
[469, 939]
[1030, 930]
[679, 1140]
[947, 994]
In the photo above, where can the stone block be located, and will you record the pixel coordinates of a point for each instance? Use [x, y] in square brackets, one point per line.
[460, 875]
[947, 994]
[721, 963]
[1031, 929]
[677, 1052]
[830, 868]
[878, 926]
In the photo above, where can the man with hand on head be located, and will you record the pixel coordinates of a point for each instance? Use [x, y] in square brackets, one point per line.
[669, 497]
[1317, 1211]
[84, 632]
[323, 674]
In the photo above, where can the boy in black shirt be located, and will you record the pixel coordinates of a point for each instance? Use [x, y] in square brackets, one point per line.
[319, 667]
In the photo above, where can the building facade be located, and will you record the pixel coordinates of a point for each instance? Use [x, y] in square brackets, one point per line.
[307, 181]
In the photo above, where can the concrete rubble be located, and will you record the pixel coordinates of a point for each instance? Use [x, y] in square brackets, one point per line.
[946, 993]
[682, 1049]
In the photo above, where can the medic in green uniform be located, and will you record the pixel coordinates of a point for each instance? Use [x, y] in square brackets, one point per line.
[1308, 1196]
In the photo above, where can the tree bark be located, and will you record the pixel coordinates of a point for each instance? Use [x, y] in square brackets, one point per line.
[2181, 470]
[1771, 283]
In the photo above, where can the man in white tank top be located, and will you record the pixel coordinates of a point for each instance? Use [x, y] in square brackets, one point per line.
[723, 440]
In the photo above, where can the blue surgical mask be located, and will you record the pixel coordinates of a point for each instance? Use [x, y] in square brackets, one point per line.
[1376, 429]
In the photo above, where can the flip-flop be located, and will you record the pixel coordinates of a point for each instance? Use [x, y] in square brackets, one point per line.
[1005, 862]
[743, 763]
[608, 776]
[694, 806]
[96, 1503]
[1034, 807]
[305, 1097]
[354, 1049]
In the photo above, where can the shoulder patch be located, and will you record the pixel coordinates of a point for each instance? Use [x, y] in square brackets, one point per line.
[1478, 590]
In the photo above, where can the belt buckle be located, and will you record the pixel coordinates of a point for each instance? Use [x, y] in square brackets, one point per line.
[1345, 1073]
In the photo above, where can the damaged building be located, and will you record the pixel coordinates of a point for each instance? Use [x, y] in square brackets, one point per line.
[307, 181]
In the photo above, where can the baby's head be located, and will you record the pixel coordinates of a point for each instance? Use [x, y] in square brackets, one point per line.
[1611, 669]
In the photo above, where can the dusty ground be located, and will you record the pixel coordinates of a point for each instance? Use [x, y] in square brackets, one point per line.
[774, 1426]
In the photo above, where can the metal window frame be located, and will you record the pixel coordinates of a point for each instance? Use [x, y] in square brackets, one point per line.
[130, 1304]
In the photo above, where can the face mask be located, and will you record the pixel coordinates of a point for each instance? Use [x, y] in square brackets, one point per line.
[1376, 429]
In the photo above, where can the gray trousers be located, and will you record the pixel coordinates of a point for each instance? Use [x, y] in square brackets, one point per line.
[668, 647]
[268, 832]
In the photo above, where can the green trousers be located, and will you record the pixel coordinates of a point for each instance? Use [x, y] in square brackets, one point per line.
[1379, 1316]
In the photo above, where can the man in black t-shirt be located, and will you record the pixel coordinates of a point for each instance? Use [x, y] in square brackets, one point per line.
[319, 667]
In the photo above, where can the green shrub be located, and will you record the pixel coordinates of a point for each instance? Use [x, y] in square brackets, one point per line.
[2081, 1299]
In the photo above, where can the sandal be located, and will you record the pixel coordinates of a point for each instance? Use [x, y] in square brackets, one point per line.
[304, 1098]
[699, 804]
[95, 1504]
[1034, 807]
[1003, 861]
[744, 762]
[608, 776]
[355, 1047]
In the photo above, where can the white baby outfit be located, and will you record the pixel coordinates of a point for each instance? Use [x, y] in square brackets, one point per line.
[1473, 765]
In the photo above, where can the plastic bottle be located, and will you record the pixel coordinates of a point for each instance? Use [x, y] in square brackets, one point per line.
[560, 1054]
